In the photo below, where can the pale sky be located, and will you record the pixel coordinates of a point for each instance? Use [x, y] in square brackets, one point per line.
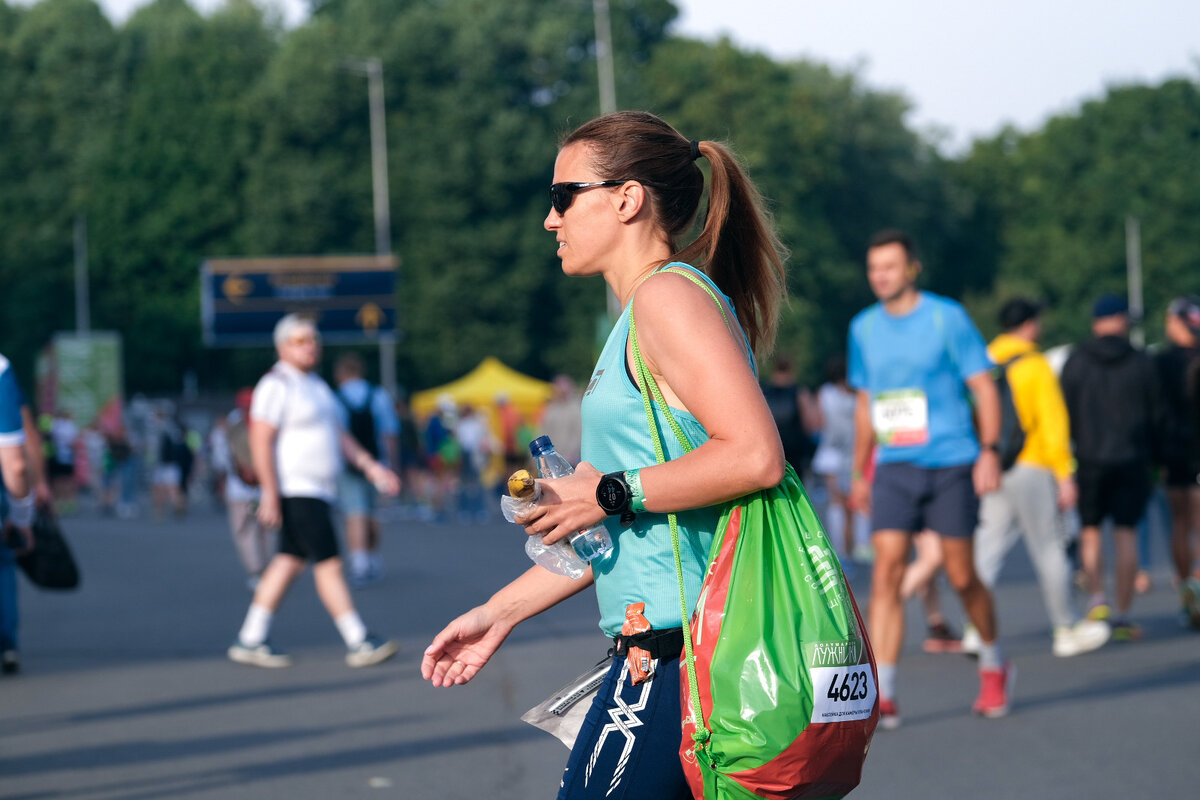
[967, 66]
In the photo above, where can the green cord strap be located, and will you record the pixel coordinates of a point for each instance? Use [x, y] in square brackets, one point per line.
[647, 386]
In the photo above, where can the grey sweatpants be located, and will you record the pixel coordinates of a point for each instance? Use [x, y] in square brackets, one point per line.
[1026, 504]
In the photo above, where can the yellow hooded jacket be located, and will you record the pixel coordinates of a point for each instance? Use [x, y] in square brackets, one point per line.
[1040, 405]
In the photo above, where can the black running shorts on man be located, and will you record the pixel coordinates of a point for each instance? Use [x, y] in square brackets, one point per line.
[307, 531]
[1120, 491]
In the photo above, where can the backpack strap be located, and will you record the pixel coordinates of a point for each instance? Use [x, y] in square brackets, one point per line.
[649, 388]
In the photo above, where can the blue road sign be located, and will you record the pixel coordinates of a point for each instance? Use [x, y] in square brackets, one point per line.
[352, 298]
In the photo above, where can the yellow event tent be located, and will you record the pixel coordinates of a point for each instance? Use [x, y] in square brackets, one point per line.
[481, 386]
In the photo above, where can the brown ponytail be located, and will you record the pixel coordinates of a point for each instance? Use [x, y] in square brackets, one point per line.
[738, 247]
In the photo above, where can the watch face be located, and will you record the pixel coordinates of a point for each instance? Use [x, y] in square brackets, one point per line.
[611, 494]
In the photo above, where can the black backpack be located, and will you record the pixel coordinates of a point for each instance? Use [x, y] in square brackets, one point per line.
[798, 446]
[362, 426]
[1012, 435]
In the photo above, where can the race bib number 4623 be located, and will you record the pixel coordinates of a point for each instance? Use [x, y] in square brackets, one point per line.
[842, 694]
[900, 418]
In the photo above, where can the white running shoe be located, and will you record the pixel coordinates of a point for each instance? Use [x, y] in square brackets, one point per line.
[971, 641]
[373, 650]
[262, 655]
[1083, 637]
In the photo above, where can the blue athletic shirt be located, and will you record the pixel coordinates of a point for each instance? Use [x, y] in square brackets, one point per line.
[914, 367]
[12, 431]
[616, 437]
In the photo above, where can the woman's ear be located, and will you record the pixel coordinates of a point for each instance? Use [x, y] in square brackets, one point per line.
[630, 199]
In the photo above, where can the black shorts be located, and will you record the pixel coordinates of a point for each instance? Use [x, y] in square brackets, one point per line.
[1182, 474]
[307, 530]
[905, 497]
[1119, 491]
[60, 469]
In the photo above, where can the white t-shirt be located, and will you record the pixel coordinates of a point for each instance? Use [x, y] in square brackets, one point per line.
[836, 451]
[308, 452]
[63, 433]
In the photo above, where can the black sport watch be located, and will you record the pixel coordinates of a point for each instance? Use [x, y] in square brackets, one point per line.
[613, 494]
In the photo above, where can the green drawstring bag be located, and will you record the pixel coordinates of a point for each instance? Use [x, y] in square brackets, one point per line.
[779, 696]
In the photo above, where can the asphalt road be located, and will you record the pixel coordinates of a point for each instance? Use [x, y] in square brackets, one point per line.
[126, 693]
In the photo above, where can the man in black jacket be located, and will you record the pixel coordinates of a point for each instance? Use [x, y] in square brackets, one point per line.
[1112, 397]
[1176, 364]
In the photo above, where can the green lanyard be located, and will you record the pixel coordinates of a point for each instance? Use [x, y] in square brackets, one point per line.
[648, 387]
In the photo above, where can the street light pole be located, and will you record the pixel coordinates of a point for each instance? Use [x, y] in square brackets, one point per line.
[1133, 279]
[373, 69]
[604, 57]
[608, 96]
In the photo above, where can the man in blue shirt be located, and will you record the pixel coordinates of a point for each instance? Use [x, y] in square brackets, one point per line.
[370, 417]
[910, 355]
[18, 516]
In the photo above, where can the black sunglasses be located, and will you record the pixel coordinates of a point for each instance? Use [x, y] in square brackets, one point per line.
[563, 194]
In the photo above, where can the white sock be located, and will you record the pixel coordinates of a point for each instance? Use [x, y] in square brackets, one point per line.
[990, 655]
[376, 561]
[359, 562]
[352, 629]
[887, 680]
[256, 627]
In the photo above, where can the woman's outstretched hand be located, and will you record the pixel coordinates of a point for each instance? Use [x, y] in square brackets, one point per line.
[463, 647]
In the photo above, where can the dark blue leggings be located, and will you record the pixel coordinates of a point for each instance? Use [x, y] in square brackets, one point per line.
[628, 747]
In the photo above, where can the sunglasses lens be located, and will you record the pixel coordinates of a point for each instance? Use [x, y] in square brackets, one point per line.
[560, 197]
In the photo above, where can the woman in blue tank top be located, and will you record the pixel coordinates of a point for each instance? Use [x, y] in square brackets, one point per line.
[626, 188]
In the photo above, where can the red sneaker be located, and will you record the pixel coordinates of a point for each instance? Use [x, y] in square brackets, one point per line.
[889, 715]
[995, 686]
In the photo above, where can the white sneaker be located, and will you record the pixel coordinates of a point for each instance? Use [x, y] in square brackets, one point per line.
[1083, 637]
[262, 655]
[373, 650]
[971, 641]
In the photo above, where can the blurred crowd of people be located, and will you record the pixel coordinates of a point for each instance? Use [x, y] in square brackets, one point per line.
[168, 455]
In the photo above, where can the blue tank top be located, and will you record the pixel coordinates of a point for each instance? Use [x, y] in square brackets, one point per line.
[641, 565]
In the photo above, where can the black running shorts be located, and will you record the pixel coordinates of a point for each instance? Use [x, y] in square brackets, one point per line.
[905, 497]
[307, 530]
[1119, 491]
[1182, 474]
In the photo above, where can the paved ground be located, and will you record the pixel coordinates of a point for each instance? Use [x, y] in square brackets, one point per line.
[126, 692]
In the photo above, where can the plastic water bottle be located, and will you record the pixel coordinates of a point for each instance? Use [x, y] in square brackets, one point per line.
[591, 543]
[559, 557]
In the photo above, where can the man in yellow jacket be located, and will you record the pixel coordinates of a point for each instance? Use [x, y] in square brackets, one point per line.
[1039, 487]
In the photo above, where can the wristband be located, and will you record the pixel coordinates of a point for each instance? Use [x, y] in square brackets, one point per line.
[856, 475]
[20, 510]
[637, 499]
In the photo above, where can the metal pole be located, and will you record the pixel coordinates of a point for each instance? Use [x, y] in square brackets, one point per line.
[604, 57]
[373, 69]
[379, 170]
[608, 94]
[1133, 275]
[383, 213]
[83, 321]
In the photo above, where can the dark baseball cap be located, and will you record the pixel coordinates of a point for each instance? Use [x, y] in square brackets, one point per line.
[1017, 311]
[1188, 310]
[1109, 305]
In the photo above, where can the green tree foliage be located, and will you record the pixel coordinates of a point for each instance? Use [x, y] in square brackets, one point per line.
[1050, 206]
[56, 93]
[181, 136]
